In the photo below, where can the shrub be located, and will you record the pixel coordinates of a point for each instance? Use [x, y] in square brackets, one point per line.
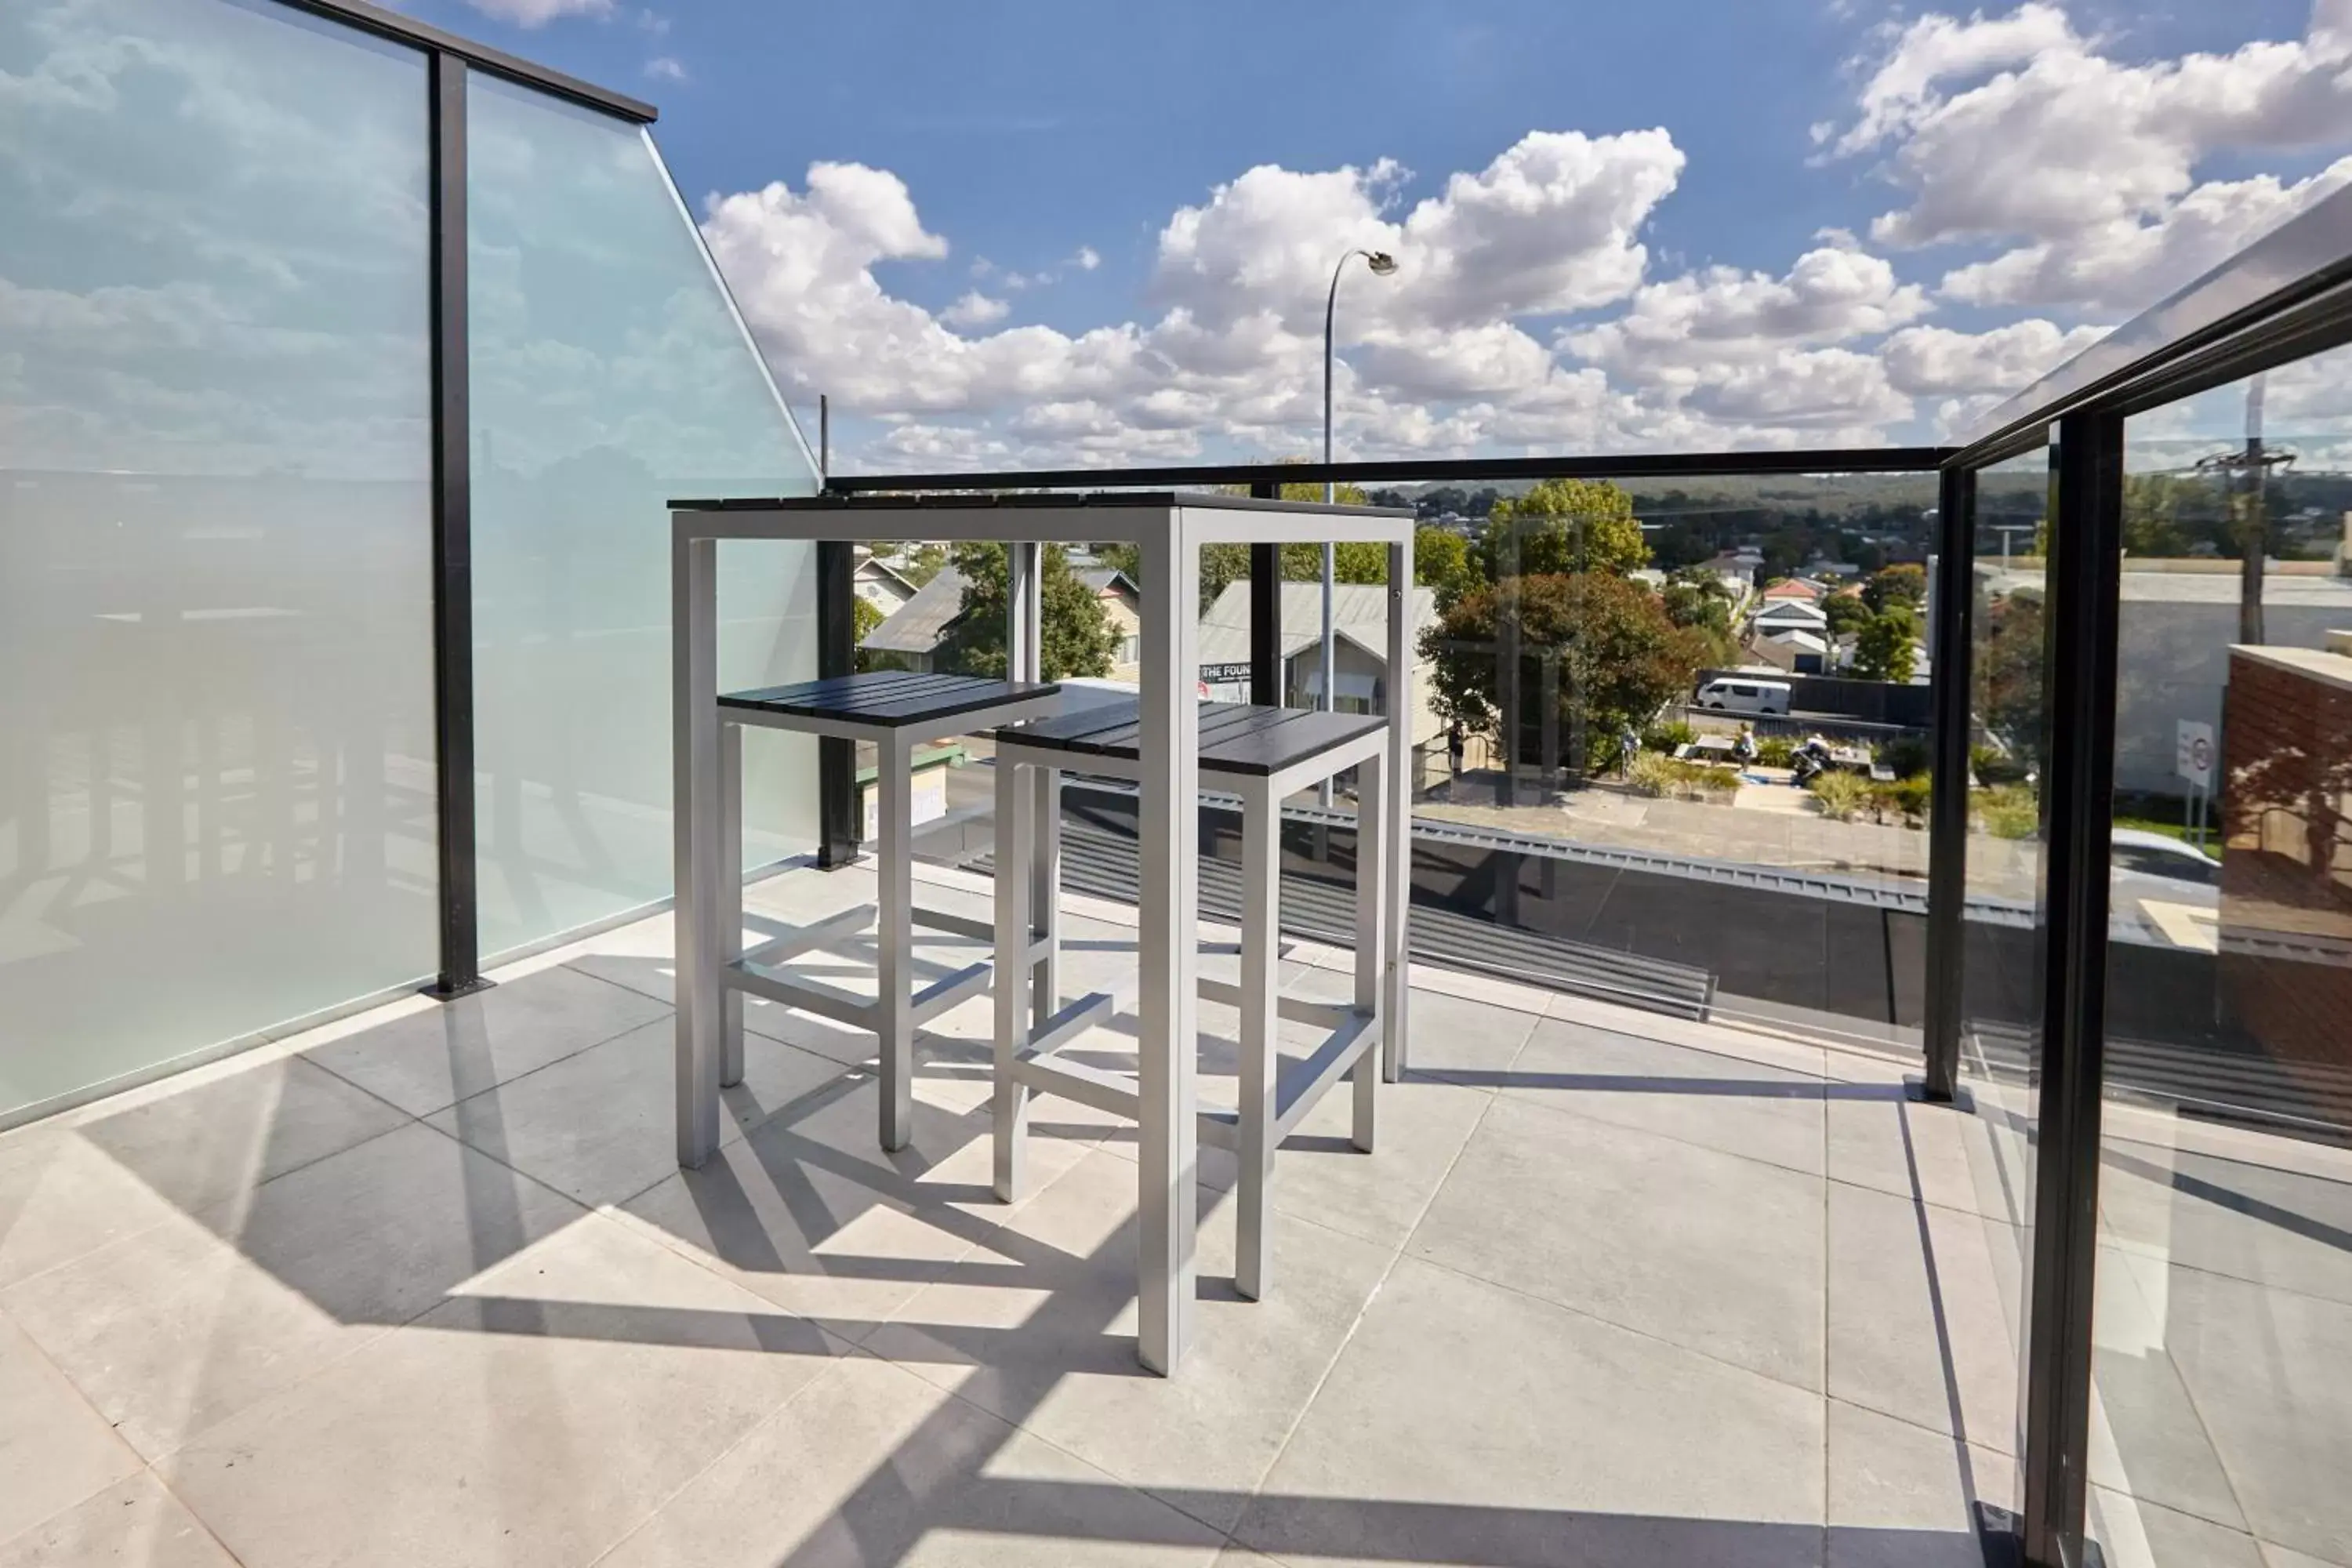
[1665, 737]
[1841, 796]
[1908, 757]
[1904, 799]
[1993, 766]
[1649, 774]
[2009, 811]
[1666, 778]
[1776, 751]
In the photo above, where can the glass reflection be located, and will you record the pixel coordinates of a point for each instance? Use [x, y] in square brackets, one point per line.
[216, 659]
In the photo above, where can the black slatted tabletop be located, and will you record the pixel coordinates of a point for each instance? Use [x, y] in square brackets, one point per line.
[887, 699]
[1235, 737]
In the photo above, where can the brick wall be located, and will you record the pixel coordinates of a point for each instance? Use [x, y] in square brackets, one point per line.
[2286, 875]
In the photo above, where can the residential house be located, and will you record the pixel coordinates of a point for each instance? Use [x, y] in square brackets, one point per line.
[909, 638]
[879, 583]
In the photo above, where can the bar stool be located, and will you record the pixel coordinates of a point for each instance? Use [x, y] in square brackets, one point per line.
[895, 709]
[1262, 754]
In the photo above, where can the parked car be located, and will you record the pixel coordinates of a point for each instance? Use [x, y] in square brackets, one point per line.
[2135, 852]
[1732, 696]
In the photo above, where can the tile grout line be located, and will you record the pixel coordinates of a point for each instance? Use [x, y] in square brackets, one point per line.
[1592, 1317]
[762, 1425]
[502, 1083]
[858, 1348]
[1395, 1257]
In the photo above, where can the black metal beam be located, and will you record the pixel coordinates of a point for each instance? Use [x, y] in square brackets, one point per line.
[837, 656]
[1947, 841]
[387, 24]
[1632, 465]
[453, 540]
[2084, 581]
[1265, 611]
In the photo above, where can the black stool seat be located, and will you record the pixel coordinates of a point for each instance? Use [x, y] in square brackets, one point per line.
[1235, 737]
[887, 698]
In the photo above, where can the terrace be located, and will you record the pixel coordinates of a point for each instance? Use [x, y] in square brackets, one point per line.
[425, 1285]
[1767, 1185]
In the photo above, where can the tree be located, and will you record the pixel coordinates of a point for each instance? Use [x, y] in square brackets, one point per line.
[1562, 527]
[1883, 648]
[1442, 559]
[1903, 585]
[2152, 515]
[864, 616]
[1847, 614]
[1078, 637]
[924, 564]
[2008, 668]
[1620, 658]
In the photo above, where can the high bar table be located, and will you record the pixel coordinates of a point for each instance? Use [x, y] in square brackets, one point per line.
[1168, 529]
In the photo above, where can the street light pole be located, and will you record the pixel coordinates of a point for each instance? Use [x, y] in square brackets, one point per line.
[1381, 265]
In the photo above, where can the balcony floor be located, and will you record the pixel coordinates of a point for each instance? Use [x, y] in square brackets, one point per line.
[425, 1286]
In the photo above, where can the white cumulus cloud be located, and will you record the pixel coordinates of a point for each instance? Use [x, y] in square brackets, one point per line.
[2024, 130]
[538, 12]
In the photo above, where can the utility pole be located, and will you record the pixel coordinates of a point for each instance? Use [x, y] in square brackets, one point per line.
[2255, 461]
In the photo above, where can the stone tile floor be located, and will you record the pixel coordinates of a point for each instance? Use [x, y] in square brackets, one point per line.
[425, 1286]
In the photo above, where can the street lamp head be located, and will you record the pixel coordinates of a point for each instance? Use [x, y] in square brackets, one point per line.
[1381, 263]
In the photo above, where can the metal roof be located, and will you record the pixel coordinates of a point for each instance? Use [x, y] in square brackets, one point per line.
[916, 626]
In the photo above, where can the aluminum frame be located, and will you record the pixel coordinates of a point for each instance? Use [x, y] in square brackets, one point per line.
[1947, 827]
[724, 969]
[1271, 1103]
[1168, 531]
[459, 900]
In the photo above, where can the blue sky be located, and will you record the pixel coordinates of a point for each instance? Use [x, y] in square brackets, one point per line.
[1019, 137]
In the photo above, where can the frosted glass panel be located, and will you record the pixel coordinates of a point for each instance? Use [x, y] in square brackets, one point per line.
[217, 808]
[609, 375]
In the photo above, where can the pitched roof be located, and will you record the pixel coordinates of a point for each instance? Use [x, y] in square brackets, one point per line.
[1794, 588]
[1100, 580]
[1791, 612]
[1360, 614]
[916, 626]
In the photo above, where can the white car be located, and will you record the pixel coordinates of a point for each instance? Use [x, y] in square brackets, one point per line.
[2162, 891]
[1730, 695]
[2135, 852]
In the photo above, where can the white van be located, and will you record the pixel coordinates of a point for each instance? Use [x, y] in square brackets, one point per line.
[1735, 695]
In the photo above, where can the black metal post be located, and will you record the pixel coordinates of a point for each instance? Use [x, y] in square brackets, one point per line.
[1947, 837]
[452, 540]
[1265, 612]
[837, 656]
[2084, 581]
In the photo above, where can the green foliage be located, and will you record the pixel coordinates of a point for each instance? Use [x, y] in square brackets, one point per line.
[864, 618]
[1847, 615]
[2007, 672]
[1078, 637]
[1352, 561]
[1665, 777]
[2009, 811]
[1841, 796]
[924, 564]
[1904, 800]
[2152, 515]
[1882, 648]
[1620, 658]
[1688, 604]
[1906, 757]
[1906, 586]
[1991, 765]
[1665, 737]
[1775, 752]
[1442, 560]
[1561, 528]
